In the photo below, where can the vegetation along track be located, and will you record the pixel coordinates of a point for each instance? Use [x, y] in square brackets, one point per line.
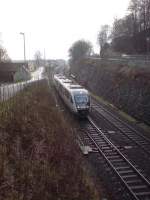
[135, 137]
[130, 176]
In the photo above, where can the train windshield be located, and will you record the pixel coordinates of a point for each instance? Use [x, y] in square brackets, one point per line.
[81, 99]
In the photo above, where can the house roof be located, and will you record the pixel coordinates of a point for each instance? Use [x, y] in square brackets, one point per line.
[11, 67]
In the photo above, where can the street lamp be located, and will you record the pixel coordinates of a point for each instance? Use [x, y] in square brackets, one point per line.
[147, 42]
[23, 34]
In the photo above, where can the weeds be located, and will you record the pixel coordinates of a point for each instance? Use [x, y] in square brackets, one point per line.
[38, 157]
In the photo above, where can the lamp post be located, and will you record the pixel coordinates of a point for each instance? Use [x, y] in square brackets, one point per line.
[23, 34]
[147, 46]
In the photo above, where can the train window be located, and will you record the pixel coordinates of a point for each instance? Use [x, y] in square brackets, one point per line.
[81, 98]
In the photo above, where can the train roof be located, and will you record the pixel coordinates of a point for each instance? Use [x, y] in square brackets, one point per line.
[67, 81]
[75, 86]
[79, 91]
[69, 85]
[59, 76]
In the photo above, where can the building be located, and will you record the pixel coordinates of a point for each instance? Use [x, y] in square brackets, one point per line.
[14, 72]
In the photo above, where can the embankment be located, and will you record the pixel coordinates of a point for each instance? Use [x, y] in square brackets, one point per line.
[39, 158]
[124, 84]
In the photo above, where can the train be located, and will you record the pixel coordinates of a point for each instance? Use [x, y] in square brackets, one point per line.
[74, 95]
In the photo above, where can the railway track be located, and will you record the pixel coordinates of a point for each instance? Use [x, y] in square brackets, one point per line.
[131, 181]
[130, 176]
[132, 134]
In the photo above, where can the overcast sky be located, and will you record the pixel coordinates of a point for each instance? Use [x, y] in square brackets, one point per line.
[54, 24]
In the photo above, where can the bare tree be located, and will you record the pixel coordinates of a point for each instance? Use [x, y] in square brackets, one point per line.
[134, 11]
[144, 7]
[3, 54]
[80, 49]
[130, 34]
[38, 59]
[103, 36]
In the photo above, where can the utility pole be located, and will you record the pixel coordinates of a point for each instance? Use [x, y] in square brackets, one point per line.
[23, 34]
[44, 58]
[147, 46]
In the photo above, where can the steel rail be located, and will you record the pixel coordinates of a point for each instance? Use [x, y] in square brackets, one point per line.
[130, 170]
[126, 129]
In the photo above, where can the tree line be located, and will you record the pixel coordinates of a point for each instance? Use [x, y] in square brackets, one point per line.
[131, 34]
[128, 35]
[3, 54]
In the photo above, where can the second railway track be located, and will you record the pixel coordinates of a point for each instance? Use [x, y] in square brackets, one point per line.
[128, 131]
[130, 176]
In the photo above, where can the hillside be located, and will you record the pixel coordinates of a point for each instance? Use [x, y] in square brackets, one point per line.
[124, 84]
[39, 157]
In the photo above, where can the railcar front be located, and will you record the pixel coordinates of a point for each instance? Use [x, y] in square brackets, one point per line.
[82, 102]
[74, 96]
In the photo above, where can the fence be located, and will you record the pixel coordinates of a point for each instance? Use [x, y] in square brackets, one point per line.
[14, 95]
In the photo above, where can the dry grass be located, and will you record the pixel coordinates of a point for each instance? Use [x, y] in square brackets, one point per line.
[123, 114]
[38, 156]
